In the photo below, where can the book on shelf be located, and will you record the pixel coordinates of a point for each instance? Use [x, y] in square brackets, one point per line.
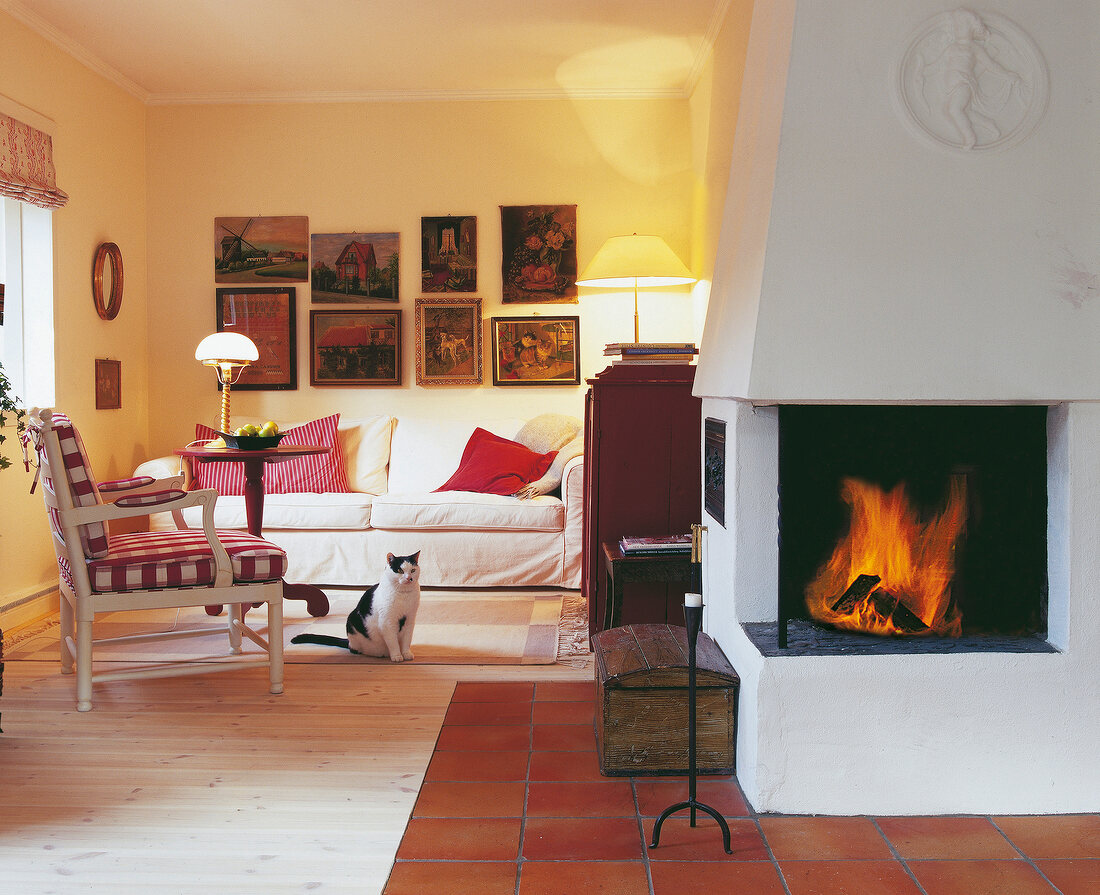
[674, 544]
[669, 348]
[675, 359]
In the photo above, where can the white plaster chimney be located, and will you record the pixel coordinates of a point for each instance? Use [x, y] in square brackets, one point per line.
[913, 215]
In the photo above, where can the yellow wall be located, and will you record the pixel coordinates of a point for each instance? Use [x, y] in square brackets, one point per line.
[99, 150]
[379, 167]
[152, 179]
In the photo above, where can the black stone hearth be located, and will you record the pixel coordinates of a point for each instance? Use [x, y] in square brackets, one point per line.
[806, 638]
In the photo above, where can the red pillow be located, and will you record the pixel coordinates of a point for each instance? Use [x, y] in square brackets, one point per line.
[494, 465]
[318, 473]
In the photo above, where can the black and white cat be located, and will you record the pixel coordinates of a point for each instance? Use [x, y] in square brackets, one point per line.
[382, 623]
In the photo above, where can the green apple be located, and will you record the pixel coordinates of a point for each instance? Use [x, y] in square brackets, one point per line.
[269, 428]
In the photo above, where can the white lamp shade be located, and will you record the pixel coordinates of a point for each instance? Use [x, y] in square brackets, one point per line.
[227, 347]
[626, 261]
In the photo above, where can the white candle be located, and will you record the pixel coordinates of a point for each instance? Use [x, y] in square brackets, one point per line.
[693, 600]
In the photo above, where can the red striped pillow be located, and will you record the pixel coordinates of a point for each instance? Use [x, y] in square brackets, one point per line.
[317, 474]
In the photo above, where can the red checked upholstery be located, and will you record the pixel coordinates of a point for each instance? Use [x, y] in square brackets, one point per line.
[146, 560]
[81, 484]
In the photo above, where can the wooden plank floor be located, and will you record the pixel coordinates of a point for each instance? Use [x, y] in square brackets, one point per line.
[208, 784]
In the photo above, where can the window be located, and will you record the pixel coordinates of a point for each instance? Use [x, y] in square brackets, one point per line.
[26, 269]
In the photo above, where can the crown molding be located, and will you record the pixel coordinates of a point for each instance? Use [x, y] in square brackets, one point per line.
[36, 23]
[714, 28]
[415, 96]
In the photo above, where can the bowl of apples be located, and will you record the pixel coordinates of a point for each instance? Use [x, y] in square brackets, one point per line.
[253, 438]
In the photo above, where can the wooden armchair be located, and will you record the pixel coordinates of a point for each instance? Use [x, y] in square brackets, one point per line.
[100, 572]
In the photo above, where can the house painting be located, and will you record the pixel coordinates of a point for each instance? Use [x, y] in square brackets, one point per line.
[354, 267]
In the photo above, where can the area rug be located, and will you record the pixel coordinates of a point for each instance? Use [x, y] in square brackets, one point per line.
[454, 627]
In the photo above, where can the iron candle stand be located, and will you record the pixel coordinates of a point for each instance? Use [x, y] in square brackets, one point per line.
[693, 619]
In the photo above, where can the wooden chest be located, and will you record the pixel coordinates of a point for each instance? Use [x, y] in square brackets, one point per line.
[642, 702]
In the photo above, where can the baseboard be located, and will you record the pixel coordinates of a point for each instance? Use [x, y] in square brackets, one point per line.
[23, 610]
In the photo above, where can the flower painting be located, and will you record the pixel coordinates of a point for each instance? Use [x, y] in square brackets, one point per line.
[538, 253]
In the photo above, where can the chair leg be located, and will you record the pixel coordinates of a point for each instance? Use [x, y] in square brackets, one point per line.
[67, 632]
[83, 665]
[235, 616]
[275, 643]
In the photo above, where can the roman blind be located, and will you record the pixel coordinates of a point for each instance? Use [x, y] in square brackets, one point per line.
[26, 165]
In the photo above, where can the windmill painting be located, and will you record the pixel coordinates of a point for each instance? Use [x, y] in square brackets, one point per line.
[261, 249]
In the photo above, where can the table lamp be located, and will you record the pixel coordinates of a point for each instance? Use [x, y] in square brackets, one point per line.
[635, 261]
[229, 353]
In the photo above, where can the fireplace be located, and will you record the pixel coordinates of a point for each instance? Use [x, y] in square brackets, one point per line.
[861, 273]
[913, 522]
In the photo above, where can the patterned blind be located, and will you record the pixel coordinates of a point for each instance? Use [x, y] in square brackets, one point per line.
[26, 165]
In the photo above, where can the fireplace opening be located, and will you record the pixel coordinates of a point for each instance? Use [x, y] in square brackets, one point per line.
[913, 522]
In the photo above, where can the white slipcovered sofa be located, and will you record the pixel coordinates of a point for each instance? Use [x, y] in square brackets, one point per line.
[393, 465]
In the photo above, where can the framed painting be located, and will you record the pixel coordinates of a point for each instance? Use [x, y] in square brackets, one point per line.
[354, 267]
[448, 254]
[261, 249]
[448, 341]
[538, 253]
[108, 384]
[536, 350]
[267, 317]
[355, 347]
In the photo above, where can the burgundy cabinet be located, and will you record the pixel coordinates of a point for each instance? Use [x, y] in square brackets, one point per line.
[642, 476]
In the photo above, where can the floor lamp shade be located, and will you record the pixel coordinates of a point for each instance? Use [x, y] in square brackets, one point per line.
[625, 262]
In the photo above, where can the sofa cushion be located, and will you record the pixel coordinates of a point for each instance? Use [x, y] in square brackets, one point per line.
[365, 445]
[466, 510]
[329, 511]
[320, 473]
[425, 452]
[494, 465]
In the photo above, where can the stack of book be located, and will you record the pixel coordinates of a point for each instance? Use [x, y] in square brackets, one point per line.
[652, 352]
[676, 544]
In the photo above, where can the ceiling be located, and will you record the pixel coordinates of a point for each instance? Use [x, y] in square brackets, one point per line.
[210, 51]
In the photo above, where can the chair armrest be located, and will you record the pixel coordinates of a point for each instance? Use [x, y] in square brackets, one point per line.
[149, 498]
[142, 484]
[125, 484]
[174, 500]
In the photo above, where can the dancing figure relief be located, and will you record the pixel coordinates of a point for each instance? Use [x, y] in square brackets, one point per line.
[972, 82]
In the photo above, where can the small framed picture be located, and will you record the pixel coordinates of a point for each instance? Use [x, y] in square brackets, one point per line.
[108, 384]
[357, 267]
[261, 249]
[536, 350]
[266, 316]
[355, 347]
[448, 341]
[448, 254]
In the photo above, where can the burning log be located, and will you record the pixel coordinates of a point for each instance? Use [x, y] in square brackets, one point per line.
[857, 592]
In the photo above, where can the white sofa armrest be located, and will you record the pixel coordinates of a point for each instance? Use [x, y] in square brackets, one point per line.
[572, 496]
[161, 468]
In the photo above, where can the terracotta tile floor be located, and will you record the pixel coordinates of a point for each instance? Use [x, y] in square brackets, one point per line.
[513, 803]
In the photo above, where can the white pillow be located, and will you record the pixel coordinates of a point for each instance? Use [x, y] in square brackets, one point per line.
[365, 445]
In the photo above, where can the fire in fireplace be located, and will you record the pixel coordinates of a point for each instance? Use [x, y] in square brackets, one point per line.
[913, 520]
[891, 573]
